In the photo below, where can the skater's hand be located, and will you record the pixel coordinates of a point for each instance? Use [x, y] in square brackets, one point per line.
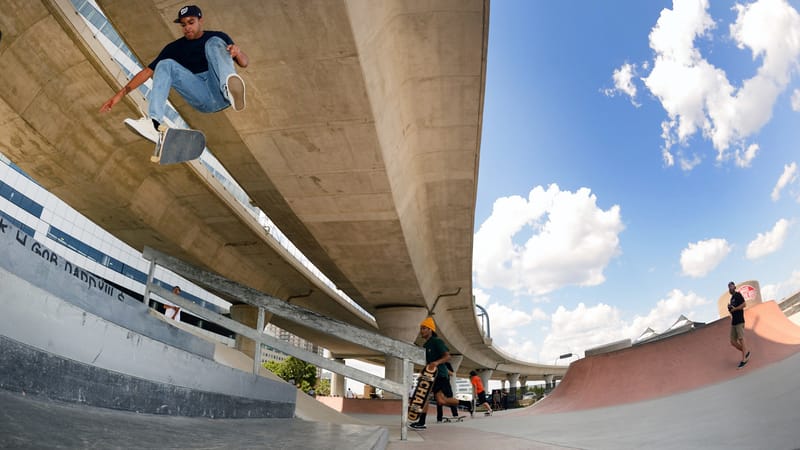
[238, 55]
[234, 50]
[110, 103]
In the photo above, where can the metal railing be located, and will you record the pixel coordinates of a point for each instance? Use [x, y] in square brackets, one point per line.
[409, 353]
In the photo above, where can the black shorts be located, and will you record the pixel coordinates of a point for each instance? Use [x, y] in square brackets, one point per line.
[482, 398]
[442, 384]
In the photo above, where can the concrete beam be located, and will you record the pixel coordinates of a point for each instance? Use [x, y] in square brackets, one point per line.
[230, 289]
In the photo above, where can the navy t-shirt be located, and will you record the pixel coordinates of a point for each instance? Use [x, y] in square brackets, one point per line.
[190, 53]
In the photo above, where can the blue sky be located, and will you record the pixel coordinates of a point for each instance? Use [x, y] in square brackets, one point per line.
[635, 157]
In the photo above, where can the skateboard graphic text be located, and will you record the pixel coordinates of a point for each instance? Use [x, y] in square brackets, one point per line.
[419, 400]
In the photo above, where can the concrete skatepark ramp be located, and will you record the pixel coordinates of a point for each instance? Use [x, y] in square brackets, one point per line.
[678, 393]
[676, 364]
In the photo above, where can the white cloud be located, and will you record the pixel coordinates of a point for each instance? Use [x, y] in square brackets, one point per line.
[783, 289]
[505, 320]
[572, 241]
[574, 331]
[788, 176]
[769, 242]
[524, 350]
[698, 96]
[623, 82]
[700, 258]
[796, 100]
[689, 164]
[745, 157]
[539, 315]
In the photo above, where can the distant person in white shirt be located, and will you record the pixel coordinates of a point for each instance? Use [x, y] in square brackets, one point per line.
[171, 311]
[350, 394]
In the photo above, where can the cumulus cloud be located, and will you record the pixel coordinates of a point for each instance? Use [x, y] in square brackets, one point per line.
[745, 157]
[788, 176]
[700, 258]
[509, 326]
[505, 320]
[574, 331]
[796, 100]
[698, 96]
[769, 242]
[623, 82]
[572, 241]
[783, 289]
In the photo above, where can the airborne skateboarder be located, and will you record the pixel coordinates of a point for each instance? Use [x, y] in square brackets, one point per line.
[199, 66]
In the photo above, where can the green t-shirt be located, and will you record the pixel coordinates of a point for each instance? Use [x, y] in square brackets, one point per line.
[435, 348]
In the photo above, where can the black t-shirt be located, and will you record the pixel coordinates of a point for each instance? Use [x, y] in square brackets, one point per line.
[737, 317]
[435, 348]
[190, 53]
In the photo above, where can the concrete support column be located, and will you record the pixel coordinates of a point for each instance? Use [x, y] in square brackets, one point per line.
[523, 381]
[549, 382]
[247, 315]
[485, 375]
[401, 323]
[513, 380]
[337, 381]
[455, 361]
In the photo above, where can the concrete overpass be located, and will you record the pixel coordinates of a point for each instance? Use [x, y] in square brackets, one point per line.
[360, 141]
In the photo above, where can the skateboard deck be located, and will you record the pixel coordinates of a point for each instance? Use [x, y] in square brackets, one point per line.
[453, 419]
[178, 145]
[419, 399]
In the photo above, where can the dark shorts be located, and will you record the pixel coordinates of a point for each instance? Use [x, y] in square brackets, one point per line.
[442, 384]
[482, 398]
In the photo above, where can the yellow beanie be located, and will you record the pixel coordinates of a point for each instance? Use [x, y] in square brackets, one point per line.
[428, 323]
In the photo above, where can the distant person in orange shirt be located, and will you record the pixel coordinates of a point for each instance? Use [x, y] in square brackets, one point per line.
[479, 392]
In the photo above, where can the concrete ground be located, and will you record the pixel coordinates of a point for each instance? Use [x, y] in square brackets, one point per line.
[757, 410]
[27, 422]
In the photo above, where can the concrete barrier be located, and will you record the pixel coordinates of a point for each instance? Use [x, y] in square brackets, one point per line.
[66, 334]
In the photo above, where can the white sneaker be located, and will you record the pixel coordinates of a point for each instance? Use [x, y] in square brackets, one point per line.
[234, 91]
[143, 127]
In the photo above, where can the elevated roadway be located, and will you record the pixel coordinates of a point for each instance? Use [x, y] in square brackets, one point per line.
[360, 141]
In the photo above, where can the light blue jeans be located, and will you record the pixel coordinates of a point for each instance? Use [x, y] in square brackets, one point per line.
[203, 91]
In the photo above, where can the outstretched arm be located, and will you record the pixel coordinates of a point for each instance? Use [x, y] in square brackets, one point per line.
[134, 83]
[238, 55]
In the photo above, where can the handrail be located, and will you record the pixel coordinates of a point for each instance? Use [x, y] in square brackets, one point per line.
[228, 288]
[409, 353]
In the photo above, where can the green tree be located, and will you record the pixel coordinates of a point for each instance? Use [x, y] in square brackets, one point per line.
[323, 387]
[293, 370]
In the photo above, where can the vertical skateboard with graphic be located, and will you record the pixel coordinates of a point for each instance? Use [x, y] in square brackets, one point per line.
[178, 145]
[422, 393]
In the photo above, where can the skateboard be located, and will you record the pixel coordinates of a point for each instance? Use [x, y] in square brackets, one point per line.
[178, 145]
[422, 393]
[453, 419]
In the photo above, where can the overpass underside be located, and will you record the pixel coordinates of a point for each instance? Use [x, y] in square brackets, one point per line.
[360, 140]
